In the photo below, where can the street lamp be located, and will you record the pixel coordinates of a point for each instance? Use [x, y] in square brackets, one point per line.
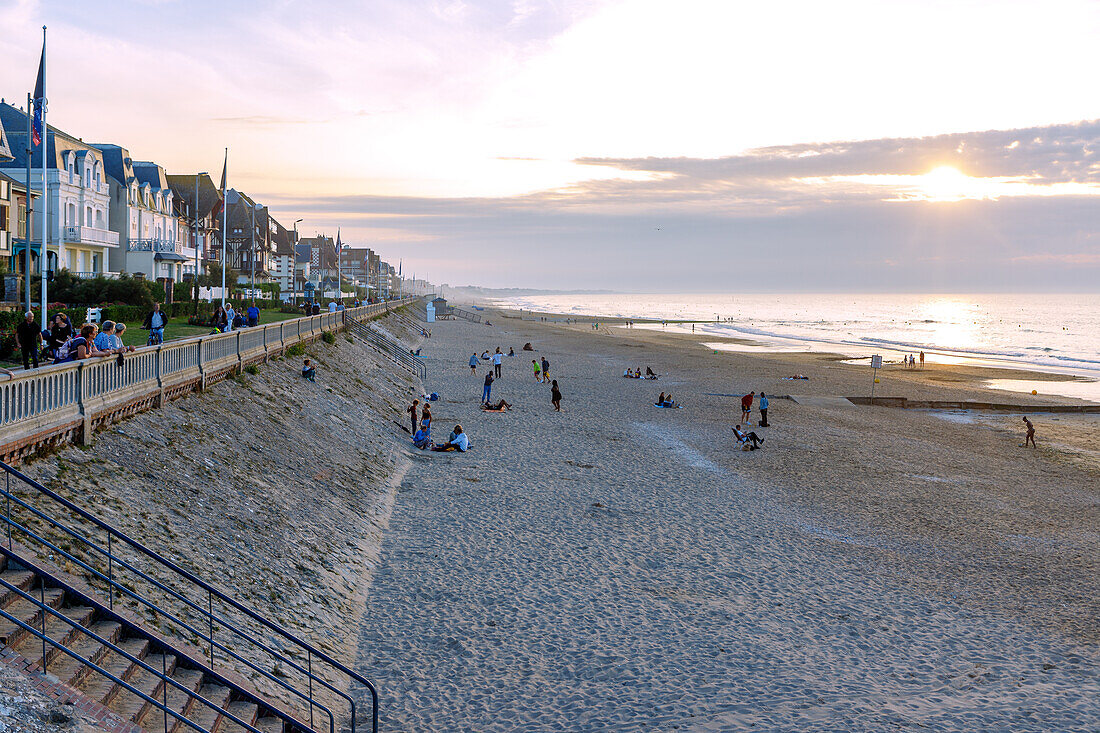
[252, 254]
[195, 211]
[294, 262]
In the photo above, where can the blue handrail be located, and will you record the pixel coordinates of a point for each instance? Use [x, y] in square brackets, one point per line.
[211, 591]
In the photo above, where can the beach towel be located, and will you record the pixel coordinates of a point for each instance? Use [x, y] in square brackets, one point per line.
[674, 405]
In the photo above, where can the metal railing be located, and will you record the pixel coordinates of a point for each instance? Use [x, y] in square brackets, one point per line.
[152, 244]
[58, 399]
[307, 683]
[467, 315]
[395, 350]
[91, 235]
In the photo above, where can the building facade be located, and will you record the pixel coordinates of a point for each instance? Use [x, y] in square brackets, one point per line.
[206, 207]
[79, 235]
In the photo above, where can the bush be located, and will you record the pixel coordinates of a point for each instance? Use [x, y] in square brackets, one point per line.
[296, 350]
[125, 290]
[329, 337]
[252, 369]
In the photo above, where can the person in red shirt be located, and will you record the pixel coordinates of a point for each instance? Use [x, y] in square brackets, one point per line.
[746, 407]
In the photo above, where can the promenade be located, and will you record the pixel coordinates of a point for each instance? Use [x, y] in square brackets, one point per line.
[616, 567]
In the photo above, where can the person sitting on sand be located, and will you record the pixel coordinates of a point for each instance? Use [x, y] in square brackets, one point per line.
[665, 400]
[753, 440]
[1030, 437]
[511, 351]
[627, 373]
[650, 374]
[421, 440]
[638, 373]
[308, 372]
[455, 441]
[499, 406]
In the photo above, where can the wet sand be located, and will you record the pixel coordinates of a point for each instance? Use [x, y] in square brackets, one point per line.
[620, 567]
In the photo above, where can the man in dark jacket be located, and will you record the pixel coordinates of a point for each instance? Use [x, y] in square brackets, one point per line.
[155, 323]
[29, 338]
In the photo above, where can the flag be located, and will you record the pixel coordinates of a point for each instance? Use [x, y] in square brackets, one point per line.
[39, 98]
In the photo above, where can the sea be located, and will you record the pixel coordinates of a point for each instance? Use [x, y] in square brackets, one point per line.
[1054, 333]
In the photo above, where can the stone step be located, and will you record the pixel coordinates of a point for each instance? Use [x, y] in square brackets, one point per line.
[127, 704]
[21, 579]
[103, 689]
[270, 724]
[29, 613]
[59, 630]
[72, 671]
[203, 715]
[246, 711]
[152, 718]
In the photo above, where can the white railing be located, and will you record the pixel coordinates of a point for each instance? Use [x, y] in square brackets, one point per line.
[88, 275]
[151, 245]
[66, 399]
[91, 235]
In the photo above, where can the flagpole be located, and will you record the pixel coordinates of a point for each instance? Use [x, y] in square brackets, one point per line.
[225, 215]
[43, 258]
[27, 227]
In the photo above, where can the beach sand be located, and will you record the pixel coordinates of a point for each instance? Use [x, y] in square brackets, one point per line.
[618, 567]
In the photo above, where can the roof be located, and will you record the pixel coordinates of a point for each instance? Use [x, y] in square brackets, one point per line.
[117, 162]
[5, 151]
[151, 173]
[183, 186]
[14, 122]
[303, 253]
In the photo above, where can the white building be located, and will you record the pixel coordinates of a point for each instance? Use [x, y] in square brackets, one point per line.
[79, 236]
[143, 208]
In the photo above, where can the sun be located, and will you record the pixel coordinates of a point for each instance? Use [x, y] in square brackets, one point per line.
[946, 183]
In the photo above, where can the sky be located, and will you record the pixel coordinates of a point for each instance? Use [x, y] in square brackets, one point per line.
[636, 145]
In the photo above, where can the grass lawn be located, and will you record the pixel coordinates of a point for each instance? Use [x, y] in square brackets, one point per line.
[178, 328]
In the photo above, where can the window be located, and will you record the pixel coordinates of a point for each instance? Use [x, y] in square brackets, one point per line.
[99, 219]
[22, 221]
[70, 215]
[88, 216]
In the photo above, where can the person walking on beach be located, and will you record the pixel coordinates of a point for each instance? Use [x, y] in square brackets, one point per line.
[488, 388]
[1030, 437]
[496, 362]
[746, 407]
[545, 370]
[763, 410]
[473, 363]
[555, 396]
[922, 360]
[412, 415]
[538, 374]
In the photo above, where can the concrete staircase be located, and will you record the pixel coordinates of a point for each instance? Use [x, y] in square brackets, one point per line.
[76, 622]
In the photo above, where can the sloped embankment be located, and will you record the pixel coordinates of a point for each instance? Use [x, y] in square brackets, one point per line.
[275, 489]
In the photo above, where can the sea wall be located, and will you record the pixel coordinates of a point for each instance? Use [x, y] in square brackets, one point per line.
[272, 488]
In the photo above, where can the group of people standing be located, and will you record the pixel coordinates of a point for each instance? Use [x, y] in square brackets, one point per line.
[226, 319]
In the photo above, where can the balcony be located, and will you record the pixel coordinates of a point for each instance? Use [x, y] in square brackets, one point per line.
[91, 235]
[89, 275]
[152, 245]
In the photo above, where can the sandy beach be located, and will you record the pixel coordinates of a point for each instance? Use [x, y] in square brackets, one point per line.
[620, 567]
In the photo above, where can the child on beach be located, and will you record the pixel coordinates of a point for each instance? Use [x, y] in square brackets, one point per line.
[473, 363]
[308, 371]
[555, 396]
[535, 366]
[488, 388]
[545, 370]
[1030, 437]
[412, 414]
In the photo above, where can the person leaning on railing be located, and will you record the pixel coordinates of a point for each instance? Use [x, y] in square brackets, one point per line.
[80, 347]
